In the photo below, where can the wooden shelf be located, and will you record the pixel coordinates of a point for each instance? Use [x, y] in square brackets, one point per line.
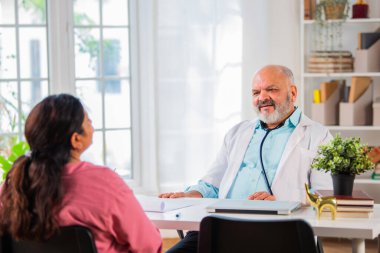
[349, 30]
[348, 21]
[366, 181]
[354, 128]
[350, 74]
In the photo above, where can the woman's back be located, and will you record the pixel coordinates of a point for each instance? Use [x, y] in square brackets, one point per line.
[51, 186]
[97, 198]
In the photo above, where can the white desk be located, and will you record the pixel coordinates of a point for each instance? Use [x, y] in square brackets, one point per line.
[356, 229]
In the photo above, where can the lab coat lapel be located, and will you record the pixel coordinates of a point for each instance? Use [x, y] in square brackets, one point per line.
[241, 147]
[294, 139]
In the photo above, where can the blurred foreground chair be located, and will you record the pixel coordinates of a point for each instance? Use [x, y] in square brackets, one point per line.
[71, 239]
[226, 235]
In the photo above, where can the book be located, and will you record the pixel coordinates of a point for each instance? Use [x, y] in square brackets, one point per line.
[346, 93]
[358, 198]
[349, 208]
[327, 88]
[307, 10]
[368, 39]
[358, 86]
[327, 214]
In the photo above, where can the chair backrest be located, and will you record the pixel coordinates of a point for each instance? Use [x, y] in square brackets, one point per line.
[222, 235]
[71, 239]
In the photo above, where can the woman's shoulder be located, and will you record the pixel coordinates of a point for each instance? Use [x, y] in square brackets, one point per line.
[98, 173]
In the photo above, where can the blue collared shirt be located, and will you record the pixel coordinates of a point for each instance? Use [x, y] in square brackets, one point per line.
[250, 177]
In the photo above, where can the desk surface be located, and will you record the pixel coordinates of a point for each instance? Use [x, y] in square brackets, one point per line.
[357, 228]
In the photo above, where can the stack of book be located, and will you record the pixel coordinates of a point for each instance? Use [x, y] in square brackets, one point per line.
[330, 62]
[359, 205]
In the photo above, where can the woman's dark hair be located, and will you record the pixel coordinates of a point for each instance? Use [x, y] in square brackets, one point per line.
[32, 191]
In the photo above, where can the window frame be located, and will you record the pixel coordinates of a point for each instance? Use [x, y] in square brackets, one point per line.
[62, 60]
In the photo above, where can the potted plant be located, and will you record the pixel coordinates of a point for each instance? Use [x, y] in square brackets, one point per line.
[344, 159]
[18, 149]
[329, 33]
[332, 9]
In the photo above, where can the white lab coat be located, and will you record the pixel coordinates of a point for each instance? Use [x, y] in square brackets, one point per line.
[293, 170]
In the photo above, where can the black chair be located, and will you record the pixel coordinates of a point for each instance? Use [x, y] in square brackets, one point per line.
[226, 235]
[71, 239]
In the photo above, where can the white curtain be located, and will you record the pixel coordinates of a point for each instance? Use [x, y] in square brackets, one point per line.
[199, 54]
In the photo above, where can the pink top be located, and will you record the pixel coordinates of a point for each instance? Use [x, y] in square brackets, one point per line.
[97, 198]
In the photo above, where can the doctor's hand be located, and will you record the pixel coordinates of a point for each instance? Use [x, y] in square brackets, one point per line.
[261, 196]
[173, 195]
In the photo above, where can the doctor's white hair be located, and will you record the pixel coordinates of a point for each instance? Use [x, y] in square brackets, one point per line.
[284, 70]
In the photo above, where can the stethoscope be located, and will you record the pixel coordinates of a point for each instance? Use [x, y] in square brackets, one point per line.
[261, 153]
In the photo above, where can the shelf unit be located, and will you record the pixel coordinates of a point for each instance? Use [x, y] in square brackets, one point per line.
[310, 81]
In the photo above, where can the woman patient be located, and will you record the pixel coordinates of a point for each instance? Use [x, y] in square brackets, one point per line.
[52, 187]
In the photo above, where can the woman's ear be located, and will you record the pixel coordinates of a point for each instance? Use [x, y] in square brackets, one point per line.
[76, 141]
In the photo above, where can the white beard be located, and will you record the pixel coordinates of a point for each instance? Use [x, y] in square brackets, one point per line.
[280, 112]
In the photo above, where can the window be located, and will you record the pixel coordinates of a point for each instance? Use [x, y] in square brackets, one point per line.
[102, 78]
[23, 64]
[90, 59]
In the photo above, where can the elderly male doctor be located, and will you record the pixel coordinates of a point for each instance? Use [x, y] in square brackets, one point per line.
[267, 158]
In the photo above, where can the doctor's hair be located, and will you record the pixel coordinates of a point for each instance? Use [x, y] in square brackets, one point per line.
[284, 70]
[287, 72]
[32, 193]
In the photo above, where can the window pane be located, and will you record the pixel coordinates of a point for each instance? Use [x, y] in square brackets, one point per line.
[117, 104]
[91, 96]
[33, 53]
[32, 11]
[86, 12]
[115, 12]
[8, 66]
[8, 107]
[116, 52]
[118, 152]
[7, 12]
[86, 52]
[94, 152]
[32, 92]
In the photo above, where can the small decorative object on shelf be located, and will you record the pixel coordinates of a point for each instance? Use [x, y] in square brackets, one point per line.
[330, 62]
[360, 9]
[343, 158]
[332, 9]
[321, 202]
[374, 155]
[376, 173]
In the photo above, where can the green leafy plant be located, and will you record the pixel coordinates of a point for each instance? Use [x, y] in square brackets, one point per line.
[16, 151]
[343, 156]
[332, 9]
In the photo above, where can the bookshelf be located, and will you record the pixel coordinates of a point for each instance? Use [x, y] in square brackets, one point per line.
[349, 41]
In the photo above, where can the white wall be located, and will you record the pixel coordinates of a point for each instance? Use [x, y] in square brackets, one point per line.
[270, 36]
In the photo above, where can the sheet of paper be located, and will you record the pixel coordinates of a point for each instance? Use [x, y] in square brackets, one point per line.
[155, 204]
